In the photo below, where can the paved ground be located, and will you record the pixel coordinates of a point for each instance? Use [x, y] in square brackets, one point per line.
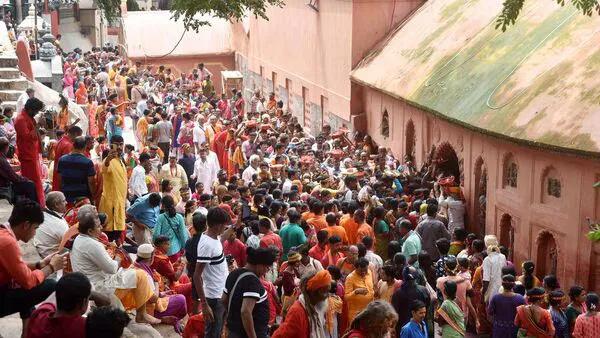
[71, 35]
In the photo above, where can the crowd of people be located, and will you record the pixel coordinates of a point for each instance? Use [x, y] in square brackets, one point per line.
[224, 217]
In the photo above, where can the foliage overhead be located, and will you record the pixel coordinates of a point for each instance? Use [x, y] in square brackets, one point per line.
[512, 8]
[132, 6]
[111, 8]
[233, 10]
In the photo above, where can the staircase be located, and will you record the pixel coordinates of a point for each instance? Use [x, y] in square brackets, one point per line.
[12, 84]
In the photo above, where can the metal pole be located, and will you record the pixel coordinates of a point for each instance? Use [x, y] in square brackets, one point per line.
[35, 29]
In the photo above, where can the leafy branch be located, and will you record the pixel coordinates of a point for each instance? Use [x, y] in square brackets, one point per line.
[512, 8]
[233, 10]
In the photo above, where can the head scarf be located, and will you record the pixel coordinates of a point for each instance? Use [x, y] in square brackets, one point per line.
[320, 280]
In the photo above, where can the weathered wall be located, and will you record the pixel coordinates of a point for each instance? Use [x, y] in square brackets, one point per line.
[214, 63]
[310, 53]
[533, 213]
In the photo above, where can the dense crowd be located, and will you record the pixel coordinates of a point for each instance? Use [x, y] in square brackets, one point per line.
[223, 217]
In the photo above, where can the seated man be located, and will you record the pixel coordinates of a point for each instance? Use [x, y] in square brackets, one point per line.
[21, 185]
[50, 233]
[22, 285]
[73, 292]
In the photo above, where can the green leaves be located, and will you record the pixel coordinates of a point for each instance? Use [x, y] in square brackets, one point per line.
[509, 14]
[233, 10]
[111, 8]
[512, 8]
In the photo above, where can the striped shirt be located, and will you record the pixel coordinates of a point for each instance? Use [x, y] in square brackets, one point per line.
[210, 252]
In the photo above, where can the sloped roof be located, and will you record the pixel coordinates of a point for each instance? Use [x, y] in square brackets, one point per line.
[538, 82]
[154, 34]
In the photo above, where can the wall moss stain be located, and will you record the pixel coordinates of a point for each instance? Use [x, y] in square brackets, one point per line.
[462, 93]
[579, 141]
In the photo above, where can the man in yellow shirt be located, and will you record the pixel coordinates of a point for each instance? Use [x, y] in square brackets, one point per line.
[114, 190]
[359, 291]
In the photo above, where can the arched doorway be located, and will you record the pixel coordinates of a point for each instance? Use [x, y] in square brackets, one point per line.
[507, 234]
[547, 255]
[480, 196]
[447, 162]
[411, 140]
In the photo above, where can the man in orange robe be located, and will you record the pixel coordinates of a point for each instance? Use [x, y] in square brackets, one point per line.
[28, 145]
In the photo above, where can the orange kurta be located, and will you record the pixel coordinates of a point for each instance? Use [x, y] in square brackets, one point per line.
[356, 302]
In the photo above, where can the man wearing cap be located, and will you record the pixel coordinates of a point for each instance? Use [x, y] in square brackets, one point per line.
[306, 317]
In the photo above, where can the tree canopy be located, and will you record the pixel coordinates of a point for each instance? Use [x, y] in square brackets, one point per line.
[233, 10]
[512, 9]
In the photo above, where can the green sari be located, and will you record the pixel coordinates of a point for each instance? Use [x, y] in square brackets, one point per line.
[382, 238]
[455, 319]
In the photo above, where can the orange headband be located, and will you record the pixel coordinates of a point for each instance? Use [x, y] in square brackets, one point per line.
[320, 280]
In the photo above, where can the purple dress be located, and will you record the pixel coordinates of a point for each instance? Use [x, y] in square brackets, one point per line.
[503, 310]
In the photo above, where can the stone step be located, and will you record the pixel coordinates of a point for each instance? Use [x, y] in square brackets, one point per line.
[10, 94]
[10, 73]
[16, 84]
[8, 62]
[12, 104]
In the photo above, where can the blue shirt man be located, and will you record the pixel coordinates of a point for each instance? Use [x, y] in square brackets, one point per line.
[145, 210]
[76, 173]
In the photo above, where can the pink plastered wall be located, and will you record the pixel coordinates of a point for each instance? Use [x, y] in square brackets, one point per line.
[314, 51]
[533, 213]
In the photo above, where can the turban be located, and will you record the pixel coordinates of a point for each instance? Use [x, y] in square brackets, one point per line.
[320, 280]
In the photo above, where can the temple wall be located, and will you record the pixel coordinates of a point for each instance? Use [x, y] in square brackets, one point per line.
[530, 216]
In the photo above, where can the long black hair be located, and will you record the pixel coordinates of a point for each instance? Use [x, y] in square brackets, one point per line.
[169, 205]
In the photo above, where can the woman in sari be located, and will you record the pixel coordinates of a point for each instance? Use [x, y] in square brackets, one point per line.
[450, 315]
[62, 120]
[559, 319]
[68, 82]
[90, 257]
[81, 94]
[532, 319]
[101, 117]
[92, 107]
[175, 173]
[168, 307]
[186, 133]
[577, 305]
[382, 232]
[503, 309]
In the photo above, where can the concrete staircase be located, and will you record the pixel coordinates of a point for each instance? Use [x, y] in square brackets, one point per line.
[12, 84]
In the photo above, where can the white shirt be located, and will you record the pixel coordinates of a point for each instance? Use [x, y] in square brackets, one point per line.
[199, 135]
[205, 172]
[91, 258]
[50, 233]
[456, 213]
[287, 186]
[140, 107]
[210, 252]
[137, 182]
[375, 259]
[492, 273]
[248, 173]
[21, 102]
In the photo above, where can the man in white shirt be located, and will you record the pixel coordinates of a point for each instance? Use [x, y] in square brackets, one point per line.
[455, 209]
[205, 171]
[142, 105]
[198, 133]
[251, 170]
[492, 271]
[50, 233]
[137, 181]
[211, 271]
